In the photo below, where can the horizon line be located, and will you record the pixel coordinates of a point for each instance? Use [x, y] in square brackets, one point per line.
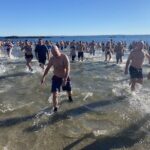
[73, 35]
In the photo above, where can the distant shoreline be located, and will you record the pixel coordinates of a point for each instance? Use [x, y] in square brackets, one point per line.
[17, 37]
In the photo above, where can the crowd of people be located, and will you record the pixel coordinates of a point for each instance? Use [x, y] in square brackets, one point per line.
[47, 51]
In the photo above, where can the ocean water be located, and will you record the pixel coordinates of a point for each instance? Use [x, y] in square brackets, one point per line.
[105, 115]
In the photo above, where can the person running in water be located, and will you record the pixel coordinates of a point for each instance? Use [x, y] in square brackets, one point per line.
[135, 60]
[28, 54]
[108, 51]
[73, 50]
[92, 48]
[119, 50]
[41, 52]
[80, 49]
[9, 47]
[61, 65]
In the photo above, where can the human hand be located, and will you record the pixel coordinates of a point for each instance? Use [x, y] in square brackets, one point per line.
[64, 82]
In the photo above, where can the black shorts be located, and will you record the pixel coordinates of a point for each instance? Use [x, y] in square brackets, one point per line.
[72, 47]
[57, 84]
[108, 53]
[119, 56]
[73, 57]
[8, 50]
[28, 56]
[80, 54]
[42, 61]
[135, 73]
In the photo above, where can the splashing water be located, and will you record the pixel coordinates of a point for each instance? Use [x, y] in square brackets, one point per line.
[89, 94]
[140, 100]
[2, 68]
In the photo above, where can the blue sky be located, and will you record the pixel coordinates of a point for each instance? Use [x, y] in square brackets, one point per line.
[74, 17]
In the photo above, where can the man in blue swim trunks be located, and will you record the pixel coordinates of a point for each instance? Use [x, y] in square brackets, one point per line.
[136, 60]
[61, 65]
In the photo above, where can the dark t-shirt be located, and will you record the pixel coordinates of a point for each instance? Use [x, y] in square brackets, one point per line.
[41, 51]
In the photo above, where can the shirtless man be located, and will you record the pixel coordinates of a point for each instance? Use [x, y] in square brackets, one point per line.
[28, 54]
[80, 48]
[108, 51]
[9, 47]
[61, 65]
[136, 59]
[119, 50]
[92, 48]
[73, 50]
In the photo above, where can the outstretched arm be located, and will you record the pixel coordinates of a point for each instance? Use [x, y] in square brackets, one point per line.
[147, 55]
[127, 63]
[67, 65]
[46, 71]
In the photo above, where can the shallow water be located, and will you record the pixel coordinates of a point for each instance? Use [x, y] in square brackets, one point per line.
[104, 115]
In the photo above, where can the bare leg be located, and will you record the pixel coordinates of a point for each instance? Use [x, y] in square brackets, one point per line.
[29, 64]
[82, 58]
[109, 57]
[55, 99]
[121, 59]
[105, 57]
[140, 81]
[42, 66]
[133, 82]
[70, 96]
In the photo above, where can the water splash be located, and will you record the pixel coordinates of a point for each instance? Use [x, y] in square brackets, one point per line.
[121, 89]
[88, 94]
[140, 100]
[2, 68]
[9, 107]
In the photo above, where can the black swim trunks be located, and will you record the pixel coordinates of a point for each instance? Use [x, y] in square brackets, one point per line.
[135, 73]
[57, 84]
[42, 60]
[80, 54]
[28, 56]
[108, 53]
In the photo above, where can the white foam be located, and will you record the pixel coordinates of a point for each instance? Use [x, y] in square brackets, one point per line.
[140, 100]
[2, 68]
[5, 88]
[60, 95]
[12, 57]
[100, 132]
[8, 107]
[5, 148]
[121, 89]
[88, 94]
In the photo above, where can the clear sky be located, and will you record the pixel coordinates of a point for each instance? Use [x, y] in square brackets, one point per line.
[74, 17]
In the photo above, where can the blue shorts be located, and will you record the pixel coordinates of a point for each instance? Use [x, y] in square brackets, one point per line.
[135, 73]
[57, 84]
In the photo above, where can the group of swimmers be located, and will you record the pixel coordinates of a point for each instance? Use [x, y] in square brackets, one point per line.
[53, 53]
